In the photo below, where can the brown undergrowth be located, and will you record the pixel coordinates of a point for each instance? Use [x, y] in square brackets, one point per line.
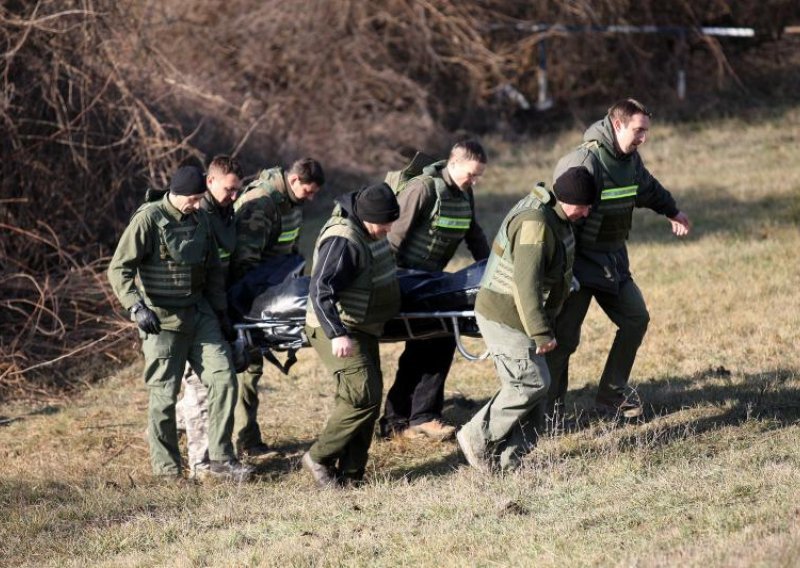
[100, 98]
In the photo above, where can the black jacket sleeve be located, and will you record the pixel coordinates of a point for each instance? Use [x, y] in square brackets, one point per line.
[652, 195]
[336, 268]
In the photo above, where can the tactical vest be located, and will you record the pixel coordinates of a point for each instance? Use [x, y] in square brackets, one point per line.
[499, 274]
[432, 243]
[286, 216]
[609, 222]
[374, 296]
[224, 230]
[174, 274]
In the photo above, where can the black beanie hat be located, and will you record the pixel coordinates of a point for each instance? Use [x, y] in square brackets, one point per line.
[576, 186]
[187, 180]
[377, 204]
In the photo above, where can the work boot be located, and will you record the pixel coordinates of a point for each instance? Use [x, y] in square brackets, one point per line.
[473, 450]
[389, 430]
[230, 470]
[619, 406]
[259, 450]
[323, 475]
[434, 429]
[200, 471]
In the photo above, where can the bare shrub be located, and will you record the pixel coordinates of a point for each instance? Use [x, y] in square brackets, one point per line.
[99, 98]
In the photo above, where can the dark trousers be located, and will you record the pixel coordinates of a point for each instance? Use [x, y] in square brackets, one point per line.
[628, 312]
[345, 440]
[417, 395]
[246, 414]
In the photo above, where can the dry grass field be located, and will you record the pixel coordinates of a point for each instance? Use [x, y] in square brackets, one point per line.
[710, 478]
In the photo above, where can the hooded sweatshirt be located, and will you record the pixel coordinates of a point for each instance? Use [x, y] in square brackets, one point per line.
[605, 268]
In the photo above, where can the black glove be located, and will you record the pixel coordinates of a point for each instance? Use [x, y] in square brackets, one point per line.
[226, 326]
[146, 319]
[240, 356]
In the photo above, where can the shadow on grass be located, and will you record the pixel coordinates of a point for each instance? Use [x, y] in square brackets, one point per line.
[286, 461]
[715, 210]
[46, 410]
[768, 398]
[765, 397]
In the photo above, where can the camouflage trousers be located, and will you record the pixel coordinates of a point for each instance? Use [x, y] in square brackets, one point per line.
[192, 414]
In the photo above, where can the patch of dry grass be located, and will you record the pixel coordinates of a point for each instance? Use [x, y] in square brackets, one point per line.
[709, 478]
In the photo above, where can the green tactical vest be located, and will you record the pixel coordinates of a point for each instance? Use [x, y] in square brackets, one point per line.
[432, 243]
[374, 296]
[397, 179]
[286, 216]
[499, 274]
[610, 220]
[224, 230]
[173, 276]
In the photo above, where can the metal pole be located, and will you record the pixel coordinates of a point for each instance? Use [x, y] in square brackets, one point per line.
[543, 102]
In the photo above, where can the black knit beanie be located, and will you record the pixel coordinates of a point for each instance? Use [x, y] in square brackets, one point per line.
[377, 204]
[187, 180]
[576, 186]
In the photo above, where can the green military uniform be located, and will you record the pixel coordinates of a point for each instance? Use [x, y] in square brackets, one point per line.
[369, 299]
[268, 219]
[441, 216]
[435, 217]
[192, 408]
[526, 282]
[175, 258]
[601, 261]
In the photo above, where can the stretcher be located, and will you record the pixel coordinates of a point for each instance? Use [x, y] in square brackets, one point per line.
[269, 306]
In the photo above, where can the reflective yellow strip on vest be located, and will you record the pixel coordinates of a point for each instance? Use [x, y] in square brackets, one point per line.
[223, 254]
[619, 192]
[457, 223]
[288, 236]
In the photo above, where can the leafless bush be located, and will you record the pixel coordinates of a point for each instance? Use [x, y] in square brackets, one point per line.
[100, 97]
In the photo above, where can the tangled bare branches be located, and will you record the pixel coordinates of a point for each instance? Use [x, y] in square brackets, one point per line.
[100, 97]
[75, 135]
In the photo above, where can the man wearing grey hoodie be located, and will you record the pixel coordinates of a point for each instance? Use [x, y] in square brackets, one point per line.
[610, 153]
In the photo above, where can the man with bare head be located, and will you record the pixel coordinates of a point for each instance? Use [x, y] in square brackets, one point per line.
[610, 154]
[268, 221]
[223, 182]
[437, 213]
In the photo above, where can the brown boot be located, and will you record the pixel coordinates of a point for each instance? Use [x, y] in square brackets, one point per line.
[618, 406]
[473, 450]
[322, 475]
[434, 429]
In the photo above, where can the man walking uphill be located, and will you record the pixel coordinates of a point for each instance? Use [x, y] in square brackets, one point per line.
[437, 213]
[527, 279]
[170, 246]
[353, 292]
[268, 219]
[610, 154]
[223, 182]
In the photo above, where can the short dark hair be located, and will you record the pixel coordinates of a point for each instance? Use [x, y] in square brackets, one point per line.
[308, 170]
[469, 150]
[225, 165]
[623, 110]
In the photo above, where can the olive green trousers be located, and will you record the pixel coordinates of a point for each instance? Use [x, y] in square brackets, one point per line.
[344, 442]
[248, 433]
[165, 358]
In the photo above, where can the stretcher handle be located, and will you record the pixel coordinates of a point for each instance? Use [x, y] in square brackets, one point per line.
[463, 350]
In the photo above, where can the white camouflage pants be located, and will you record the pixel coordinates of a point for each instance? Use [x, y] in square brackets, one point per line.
[192, 414]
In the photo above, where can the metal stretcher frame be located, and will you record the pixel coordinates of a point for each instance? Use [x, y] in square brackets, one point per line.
[270, 326]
